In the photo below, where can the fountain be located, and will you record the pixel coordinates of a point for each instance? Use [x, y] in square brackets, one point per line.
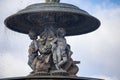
[47, 25]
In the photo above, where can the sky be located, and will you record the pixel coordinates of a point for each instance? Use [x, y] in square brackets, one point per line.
[98, 51]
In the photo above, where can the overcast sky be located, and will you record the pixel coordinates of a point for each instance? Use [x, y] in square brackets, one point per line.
[99, 51]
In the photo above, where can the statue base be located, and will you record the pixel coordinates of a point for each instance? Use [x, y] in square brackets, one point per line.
[50, 78]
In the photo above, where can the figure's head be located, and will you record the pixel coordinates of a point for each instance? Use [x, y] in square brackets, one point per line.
[51, 35]
[43, 37]
[42, 40]
[61, 32]
[32, 35]
[51, 32]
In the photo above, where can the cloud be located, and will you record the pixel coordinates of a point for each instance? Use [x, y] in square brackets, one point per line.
[12, 66]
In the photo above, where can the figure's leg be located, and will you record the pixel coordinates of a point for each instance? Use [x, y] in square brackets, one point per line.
[62, 56]
[55, 60]
[58, 54]
[31, 58]
[63, 61]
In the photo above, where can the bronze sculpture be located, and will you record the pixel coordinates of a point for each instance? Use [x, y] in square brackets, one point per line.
[50, 54]
[52, 49]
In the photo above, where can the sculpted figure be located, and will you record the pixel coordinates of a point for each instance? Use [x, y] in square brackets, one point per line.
[43, 49]
[59, 51]
[55, 53]
[51, 35]
[42, 62]
[37, 62]
[70, 66]
[33, 49]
